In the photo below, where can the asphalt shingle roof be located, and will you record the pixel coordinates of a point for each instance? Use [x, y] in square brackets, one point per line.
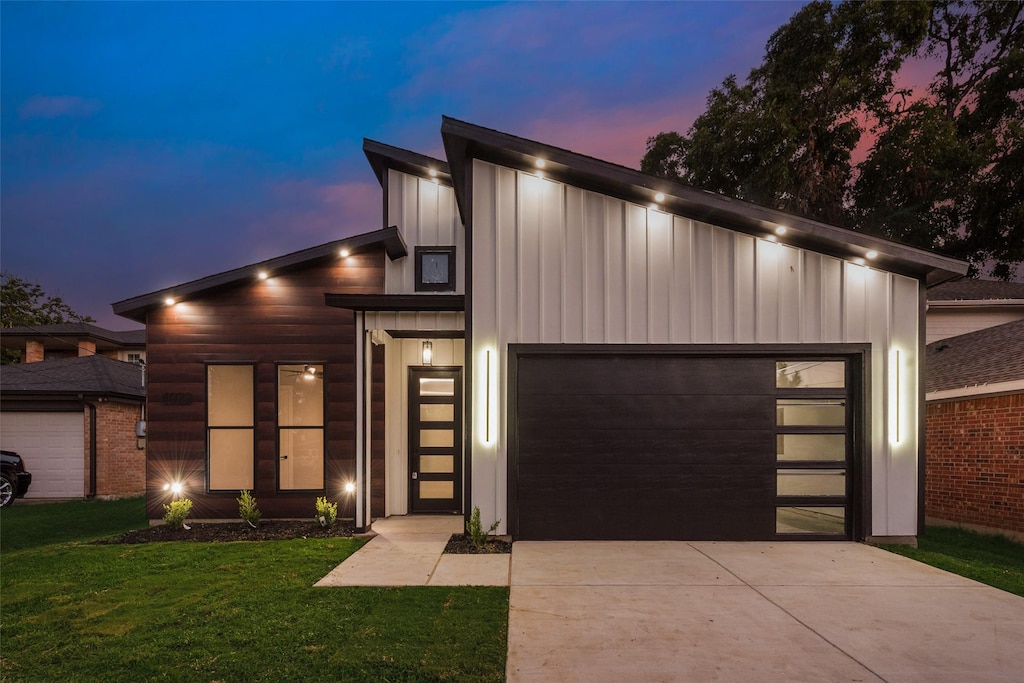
[970, 289]
[91, 375]
[995, 354]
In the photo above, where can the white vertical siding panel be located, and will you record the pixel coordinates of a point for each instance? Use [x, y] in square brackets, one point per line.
[790, 312]
[574, 290]
[429, 232]
[552, 233]
[832, 300]
[659, 273]
[810, 295]
[745, 293]
[767, 291]
[594, 259]
[854, 309]
[529, 223]
[636, 273]
[702, 313]
[506, 256]
[724, 277]
[615, 272]
[682, 277]
[903, 458]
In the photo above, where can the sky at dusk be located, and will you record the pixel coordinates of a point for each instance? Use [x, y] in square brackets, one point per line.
[148, 144]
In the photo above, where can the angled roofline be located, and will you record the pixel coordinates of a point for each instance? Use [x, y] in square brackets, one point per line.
[389, 238]
[383, 156]
[464, 142]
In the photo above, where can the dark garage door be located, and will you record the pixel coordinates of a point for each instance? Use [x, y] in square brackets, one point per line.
[646, 447]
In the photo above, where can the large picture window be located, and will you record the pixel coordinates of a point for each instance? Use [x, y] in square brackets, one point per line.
[230, 427]
[300, 427]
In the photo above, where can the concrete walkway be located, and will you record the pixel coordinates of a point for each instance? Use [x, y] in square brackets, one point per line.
[613, 611]
[408, 551]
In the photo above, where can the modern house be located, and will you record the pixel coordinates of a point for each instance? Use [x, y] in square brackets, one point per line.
[580, 350]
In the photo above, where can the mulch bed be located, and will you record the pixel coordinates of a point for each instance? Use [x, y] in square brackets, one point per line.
[269, 530]
[460, 544]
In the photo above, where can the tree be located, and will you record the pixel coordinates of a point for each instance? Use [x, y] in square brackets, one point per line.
[785, 137]
[945, 170]
[23, 303]
[947, 173]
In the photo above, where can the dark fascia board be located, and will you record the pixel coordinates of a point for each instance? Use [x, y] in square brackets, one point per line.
[388, 238]
[382, 157]
[397, 302]
[464, 142]
[57, 394]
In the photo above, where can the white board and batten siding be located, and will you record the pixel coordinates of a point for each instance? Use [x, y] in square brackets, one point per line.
[427, 216]
[559, 264]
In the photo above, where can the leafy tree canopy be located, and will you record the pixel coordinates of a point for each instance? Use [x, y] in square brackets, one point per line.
[944, 170]
[24, 303]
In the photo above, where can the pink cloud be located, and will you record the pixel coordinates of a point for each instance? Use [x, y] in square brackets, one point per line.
[51, 107]
[305, 213]
[617, 134]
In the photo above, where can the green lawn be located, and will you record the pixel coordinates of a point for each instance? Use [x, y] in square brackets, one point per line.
[990, 559]
[242, 611]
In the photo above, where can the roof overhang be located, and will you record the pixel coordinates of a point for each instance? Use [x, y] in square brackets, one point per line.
[464, 142]
[397, 302]
[390, 239]
[382, 157]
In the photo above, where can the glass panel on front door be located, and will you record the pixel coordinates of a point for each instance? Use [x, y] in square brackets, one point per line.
[435, 439]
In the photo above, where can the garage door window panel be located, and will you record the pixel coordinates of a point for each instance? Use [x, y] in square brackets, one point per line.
[813, 418]
[230, 418]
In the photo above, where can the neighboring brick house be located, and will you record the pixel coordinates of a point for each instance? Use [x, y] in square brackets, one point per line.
[975, 429]
[75, 422]
[70, 340]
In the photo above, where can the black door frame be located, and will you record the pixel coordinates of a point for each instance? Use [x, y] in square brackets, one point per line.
[416, 505]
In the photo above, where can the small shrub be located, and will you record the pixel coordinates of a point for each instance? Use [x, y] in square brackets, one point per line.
[326, 512]
[248, 510]
[475, 530]
[177, 512]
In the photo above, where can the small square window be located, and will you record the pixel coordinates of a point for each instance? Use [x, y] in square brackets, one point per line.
[435, 269]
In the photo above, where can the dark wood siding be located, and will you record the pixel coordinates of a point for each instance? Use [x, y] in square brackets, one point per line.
[643, 447]
[282, 320]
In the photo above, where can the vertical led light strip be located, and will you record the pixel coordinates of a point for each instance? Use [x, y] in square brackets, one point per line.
[895, 394]
[487, 400]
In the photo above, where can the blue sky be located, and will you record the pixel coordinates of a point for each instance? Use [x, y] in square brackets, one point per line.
[147, 144]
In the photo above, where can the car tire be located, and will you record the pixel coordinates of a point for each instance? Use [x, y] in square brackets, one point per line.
[7, 490]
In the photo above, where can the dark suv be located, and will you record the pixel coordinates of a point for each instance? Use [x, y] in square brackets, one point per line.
[14, 480]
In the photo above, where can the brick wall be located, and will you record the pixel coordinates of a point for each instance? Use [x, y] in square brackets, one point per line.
[120, 465]
[975, 461]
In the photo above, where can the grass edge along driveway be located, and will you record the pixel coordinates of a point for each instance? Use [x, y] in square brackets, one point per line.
[224, 611]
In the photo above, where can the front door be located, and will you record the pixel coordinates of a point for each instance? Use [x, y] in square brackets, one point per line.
[435, 439]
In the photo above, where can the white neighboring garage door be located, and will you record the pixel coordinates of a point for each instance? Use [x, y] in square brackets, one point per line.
[53, 445]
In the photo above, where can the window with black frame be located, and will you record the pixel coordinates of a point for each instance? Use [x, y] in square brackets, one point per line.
[300, 427]
[812, 445]
[230, 427]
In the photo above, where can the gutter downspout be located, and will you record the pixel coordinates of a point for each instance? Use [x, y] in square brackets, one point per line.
[92, 448]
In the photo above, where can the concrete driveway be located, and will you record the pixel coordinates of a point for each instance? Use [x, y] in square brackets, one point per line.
[671, 611]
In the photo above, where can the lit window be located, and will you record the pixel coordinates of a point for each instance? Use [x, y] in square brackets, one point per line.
[230, 426]
[300, 427]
